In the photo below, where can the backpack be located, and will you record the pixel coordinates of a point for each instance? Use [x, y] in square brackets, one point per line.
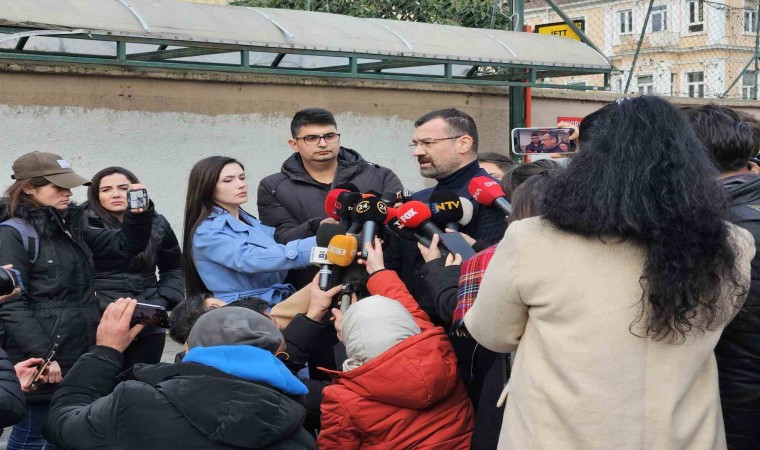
[29, 236]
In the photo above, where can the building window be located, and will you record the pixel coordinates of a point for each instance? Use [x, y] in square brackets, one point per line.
[619, 84]
[645, 84]
[659, 18]
[749, 85]
[672, 83]
[625, 21]
[695, 83]
[750, 18]
[696, 15]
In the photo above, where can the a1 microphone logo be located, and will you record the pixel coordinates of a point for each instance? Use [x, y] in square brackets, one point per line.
[408, 215]
[362, 207]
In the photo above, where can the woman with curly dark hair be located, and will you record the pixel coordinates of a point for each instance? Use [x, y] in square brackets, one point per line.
[616, 297]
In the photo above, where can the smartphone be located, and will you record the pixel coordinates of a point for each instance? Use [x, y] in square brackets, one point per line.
[529, 141]
[455, 243]
[150, 315]
[35, 380]
[137, 199]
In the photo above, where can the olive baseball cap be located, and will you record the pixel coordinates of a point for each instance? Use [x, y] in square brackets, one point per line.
[50, 167]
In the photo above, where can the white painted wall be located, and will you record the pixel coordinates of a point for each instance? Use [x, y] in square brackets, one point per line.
[162, 147]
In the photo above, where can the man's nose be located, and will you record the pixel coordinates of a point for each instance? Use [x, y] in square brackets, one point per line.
[418, 151]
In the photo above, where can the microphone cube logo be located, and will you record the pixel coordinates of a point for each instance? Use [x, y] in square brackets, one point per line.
[362, 207]
[408, 215]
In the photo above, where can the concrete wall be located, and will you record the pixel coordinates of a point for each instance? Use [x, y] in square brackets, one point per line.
[159, 124]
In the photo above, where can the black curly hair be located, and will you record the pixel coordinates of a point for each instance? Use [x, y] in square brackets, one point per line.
[643, 175]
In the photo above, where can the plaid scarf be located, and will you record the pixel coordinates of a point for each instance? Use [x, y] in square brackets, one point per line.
[469, 284]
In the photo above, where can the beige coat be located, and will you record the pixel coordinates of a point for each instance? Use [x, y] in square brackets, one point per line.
[581, 380]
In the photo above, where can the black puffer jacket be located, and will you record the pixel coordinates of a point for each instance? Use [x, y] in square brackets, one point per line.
[59, 298]
[135, 276]
[738, 351]
[179, 406]
[12, 406]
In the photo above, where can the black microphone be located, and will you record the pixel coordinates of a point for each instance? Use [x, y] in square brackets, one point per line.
[345, 205]
[369, 212]
[403, 232]
[325, 233]
[446, 209]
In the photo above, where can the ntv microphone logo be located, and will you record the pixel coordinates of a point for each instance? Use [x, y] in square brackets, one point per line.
[445, 206]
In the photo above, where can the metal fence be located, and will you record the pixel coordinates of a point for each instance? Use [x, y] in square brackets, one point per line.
[683, 48]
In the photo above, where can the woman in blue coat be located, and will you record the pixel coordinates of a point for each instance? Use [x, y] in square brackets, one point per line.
[226, 251]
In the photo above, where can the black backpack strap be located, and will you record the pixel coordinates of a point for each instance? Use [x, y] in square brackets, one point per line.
[29, 236]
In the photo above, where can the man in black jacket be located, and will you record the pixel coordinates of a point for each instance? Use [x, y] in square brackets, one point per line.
[229, 392]
[293, 200]
[738, 352]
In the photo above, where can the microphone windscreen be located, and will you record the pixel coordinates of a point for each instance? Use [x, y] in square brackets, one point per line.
[330, 203]
[467, 211]
[392, 214]
[485, 190]
[346, 203]
[326, 232]
[390, 198]
[372, 193]
[370, 209]
[342, 250]
[412, 214]
[348, 186]
[445, 207]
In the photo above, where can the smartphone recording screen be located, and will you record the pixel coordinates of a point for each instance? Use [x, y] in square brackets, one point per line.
[529, 141]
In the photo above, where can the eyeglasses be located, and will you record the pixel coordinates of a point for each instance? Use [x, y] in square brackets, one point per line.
[430, 141]
[313, 139]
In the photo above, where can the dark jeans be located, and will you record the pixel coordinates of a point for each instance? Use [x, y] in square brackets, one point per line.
[145, 350]
[27, 434]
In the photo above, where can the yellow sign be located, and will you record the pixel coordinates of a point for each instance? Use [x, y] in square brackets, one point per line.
[561, 29]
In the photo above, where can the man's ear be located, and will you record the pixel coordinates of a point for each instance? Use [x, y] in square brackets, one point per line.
[464, 144]
[293, 144]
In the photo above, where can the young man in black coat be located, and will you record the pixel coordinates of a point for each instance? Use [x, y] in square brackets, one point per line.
[730, 139]
[230, 391]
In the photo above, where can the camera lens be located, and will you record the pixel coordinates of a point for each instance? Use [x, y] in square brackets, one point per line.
[7, 281]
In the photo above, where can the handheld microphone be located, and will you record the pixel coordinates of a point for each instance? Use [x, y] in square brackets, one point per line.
[446, 208]
[325, 233]
[331, 203]
[416, 215]
[467, 211]
[342, 250]
[403, 232]
[488, 192]
[345, 205]
[369, 212]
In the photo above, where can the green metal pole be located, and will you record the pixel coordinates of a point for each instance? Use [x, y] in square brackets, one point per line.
[638, 46]
[494, 10]
[308, 5]
[517, 94]
[757, 44]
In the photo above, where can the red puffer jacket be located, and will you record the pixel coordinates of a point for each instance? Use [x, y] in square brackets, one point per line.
[409, 397]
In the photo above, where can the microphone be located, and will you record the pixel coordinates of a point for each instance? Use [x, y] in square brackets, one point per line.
[488, 192]
[331, 203]
[318, 257]
[467, 211]
[415, 214]
[345, 205]
[342, 250]
[391, 198]
[446, 208]
[403, 232]
[369, 212]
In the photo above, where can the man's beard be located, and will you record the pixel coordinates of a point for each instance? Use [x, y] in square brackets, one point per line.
[440, 170]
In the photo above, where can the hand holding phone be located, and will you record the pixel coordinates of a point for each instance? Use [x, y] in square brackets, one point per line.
[137, 198]
[47, 367]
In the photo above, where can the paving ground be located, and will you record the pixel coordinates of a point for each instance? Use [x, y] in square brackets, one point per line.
[170, 350]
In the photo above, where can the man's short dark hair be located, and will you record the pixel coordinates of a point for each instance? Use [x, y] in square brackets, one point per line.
[725, 135]
[534, 134]
[458, 122]
[501, 161]
[553, 134]
[256, 304]
[311, 116]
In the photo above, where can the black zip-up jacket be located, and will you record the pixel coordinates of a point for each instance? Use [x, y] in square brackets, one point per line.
[59, 298]
[12, 405]
[135, 276]
[293, 203]
[178, 406]
[738, 351]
